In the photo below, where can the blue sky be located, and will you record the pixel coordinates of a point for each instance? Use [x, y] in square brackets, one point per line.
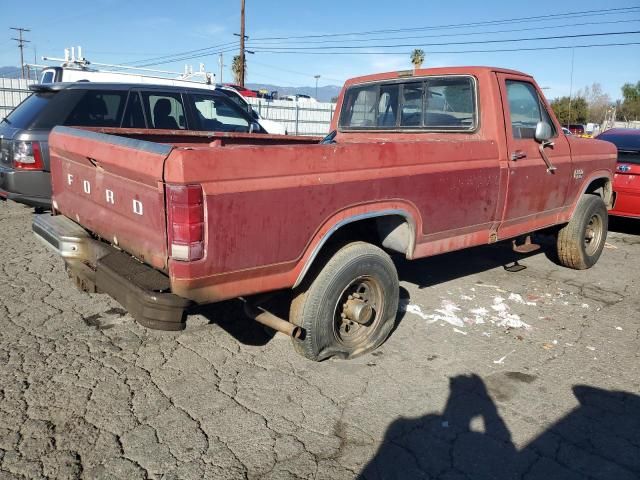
[119, 31]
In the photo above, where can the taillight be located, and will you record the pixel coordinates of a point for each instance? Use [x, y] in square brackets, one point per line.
[27, 155]
[185, 226]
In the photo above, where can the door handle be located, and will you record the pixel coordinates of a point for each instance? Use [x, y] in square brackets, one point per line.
[518, 154]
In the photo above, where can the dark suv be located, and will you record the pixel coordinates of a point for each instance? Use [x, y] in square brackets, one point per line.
[24, 154]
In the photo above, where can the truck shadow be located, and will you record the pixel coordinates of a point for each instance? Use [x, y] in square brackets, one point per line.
[431, 271]
[629, 226]
[598, 439]
[424, 273]
[230, 317]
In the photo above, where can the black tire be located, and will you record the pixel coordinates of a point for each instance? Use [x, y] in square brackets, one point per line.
[581, 241]
[359, 274]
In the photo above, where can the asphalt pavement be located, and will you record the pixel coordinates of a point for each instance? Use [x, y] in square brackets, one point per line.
[490, 373]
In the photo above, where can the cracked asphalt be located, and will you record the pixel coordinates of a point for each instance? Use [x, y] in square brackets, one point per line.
[489, 374]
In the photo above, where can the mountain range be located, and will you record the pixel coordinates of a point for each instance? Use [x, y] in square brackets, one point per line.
[325, 94]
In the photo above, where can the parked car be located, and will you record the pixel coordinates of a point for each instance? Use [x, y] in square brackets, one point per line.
[244, 91]
[24, 163]
[270, 126]
[626, 184]
[187, 224]
[576, 129]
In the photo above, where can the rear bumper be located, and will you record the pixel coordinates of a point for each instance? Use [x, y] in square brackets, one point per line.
[99, 268]
[32, 188]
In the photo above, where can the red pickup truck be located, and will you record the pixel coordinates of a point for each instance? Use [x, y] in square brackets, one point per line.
[419, 163]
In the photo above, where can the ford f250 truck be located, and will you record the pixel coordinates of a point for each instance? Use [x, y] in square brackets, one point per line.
[418, 163]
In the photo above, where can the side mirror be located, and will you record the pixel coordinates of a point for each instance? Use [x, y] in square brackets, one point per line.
[543, 132]
[254, 127]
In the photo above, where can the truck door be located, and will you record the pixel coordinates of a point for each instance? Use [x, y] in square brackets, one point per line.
[535, 194]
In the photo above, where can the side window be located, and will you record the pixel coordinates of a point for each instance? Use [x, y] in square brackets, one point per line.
[359, 108]
[47, 77]
[526, 109]
[411, 110]
[388, 105]
[133, 114]
[98, 109]
[164, 110]
[217, 113]
[450, 103]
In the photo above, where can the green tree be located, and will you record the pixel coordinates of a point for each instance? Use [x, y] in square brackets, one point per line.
[417, 58]
[629, 109]
[237, 69]
[574, 110]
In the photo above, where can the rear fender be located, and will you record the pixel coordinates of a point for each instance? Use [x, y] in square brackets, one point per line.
[389, 231]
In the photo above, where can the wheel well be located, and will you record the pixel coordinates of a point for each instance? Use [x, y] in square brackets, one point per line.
[601, 187]
[391, 232]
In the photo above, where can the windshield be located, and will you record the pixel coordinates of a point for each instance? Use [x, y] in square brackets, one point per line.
[629, 157]
[24, 114]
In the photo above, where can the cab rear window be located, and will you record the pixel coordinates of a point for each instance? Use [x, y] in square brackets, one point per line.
[445, 103]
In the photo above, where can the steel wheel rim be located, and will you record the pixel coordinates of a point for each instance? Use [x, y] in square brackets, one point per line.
[348, 332]
[593, 234]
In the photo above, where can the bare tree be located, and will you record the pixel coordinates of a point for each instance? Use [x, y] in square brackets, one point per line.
[598, 102]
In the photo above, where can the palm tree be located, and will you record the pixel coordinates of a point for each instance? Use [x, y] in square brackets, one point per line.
[417, 58]
[237, 69]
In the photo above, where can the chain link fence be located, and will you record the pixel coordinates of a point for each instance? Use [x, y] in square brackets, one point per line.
[12, 92]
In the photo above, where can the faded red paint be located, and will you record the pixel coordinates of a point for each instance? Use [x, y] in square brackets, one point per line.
[270, 200]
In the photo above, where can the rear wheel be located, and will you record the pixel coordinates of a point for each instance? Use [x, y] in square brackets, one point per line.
[581, 241]
[350, 307]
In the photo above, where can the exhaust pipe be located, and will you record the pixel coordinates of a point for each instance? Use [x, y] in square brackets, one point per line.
[264, 317]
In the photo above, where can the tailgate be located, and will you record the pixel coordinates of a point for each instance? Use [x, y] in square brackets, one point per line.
[112, 186]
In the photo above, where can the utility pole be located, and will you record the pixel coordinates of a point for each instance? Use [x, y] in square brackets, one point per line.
[316, 77]
[573, 50]
[242, 36]
[221, 63]
[21, 41]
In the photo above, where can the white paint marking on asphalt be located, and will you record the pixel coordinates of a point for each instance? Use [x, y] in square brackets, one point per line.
[516, 297]
[500, 361]
[497, 288]
[459, 331]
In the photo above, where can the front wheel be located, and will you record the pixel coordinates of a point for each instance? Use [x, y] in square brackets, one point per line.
[350, 307]
[581, 241]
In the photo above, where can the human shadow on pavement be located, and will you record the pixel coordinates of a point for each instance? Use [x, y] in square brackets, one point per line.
[599, 439]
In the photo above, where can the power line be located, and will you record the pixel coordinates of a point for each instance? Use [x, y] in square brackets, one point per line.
[189, 57]
[440, 35]
[524, 49]
[585, 13]
[355, 47]
[187, 52]
[274, 67]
